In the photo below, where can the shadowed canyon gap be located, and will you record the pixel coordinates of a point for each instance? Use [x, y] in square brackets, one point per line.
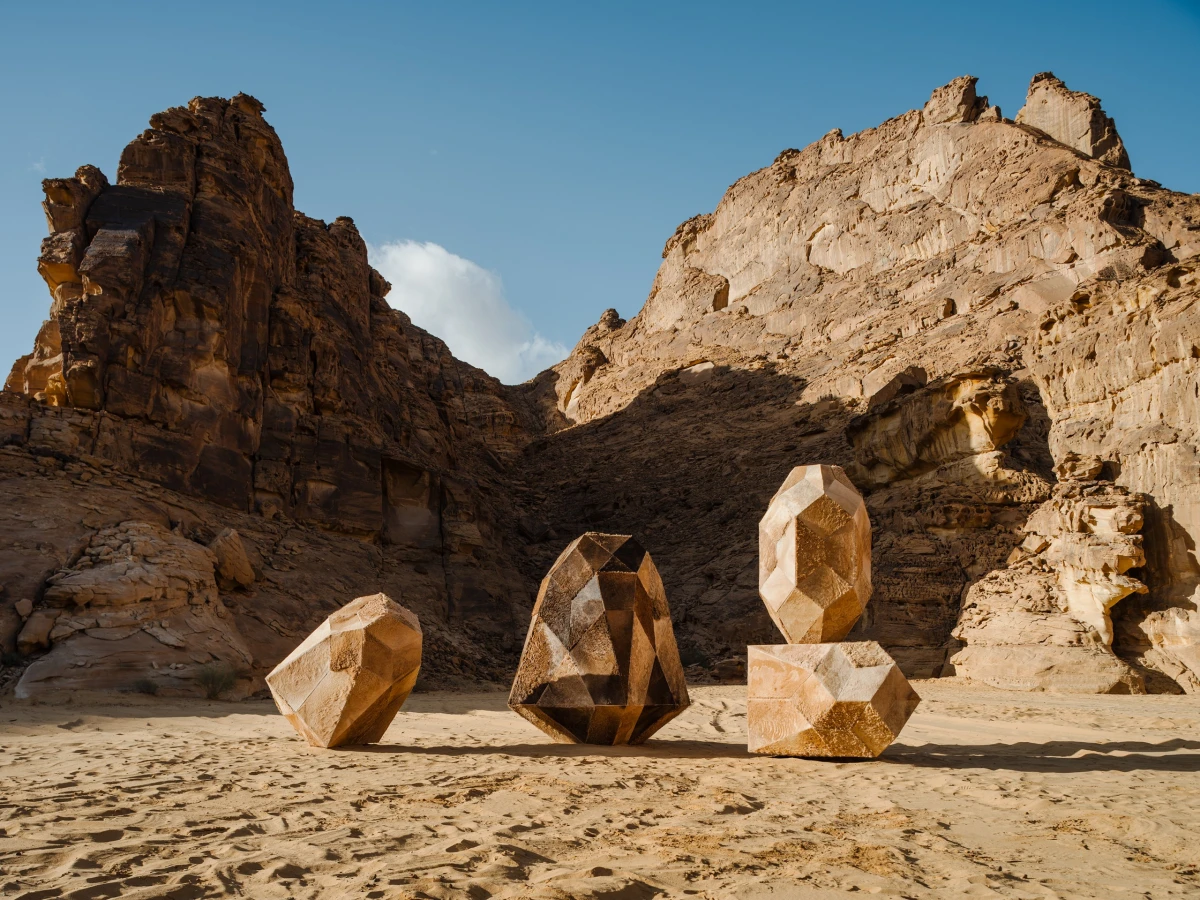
[224, 432]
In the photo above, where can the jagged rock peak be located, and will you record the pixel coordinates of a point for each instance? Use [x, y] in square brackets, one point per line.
[961, 312]
[610, 319]
[1073, 118]
[958, 102]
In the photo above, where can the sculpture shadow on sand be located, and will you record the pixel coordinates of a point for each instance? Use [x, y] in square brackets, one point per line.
[1026, 756]
[659, 749]
[1054, 756]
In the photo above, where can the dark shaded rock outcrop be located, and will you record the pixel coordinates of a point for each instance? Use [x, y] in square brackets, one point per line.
[210, 339]
[963, 311]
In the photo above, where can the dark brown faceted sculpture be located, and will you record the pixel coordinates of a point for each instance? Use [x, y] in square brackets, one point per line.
[600, 665]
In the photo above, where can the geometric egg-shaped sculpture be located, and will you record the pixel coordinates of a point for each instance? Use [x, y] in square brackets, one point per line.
[600, 663]
[814, 555]
[347, 680]
[839, 700]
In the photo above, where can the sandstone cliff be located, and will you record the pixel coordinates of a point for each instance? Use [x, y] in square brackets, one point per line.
[992, 325]
[946, 305]
[237, 360]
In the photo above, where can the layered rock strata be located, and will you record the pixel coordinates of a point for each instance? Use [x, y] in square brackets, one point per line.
[948, 306]
[1073, 118]
[140, 600]
[213, 341]
[1044, 621]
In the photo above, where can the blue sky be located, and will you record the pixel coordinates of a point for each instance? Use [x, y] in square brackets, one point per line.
[542, 153]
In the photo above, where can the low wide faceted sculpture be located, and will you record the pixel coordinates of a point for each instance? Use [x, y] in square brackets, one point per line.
[345, 683]
[600, 664]
[840, 700]
[814, 555]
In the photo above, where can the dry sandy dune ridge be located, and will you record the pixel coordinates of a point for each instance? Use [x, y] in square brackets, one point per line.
[986, 794]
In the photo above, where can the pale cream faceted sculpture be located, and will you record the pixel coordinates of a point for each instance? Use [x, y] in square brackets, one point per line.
[814, 555]
[600, 664]
[839, 700]
[345, 683]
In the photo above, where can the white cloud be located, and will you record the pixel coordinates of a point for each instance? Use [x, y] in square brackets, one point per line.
[464, 305]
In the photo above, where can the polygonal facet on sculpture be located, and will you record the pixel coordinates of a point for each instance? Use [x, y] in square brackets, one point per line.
[834, 700]
[814, 555]
[345, 683]
[600, 664]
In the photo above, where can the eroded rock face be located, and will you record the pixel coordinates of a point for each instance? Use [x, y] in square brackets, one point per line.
[948, 307]
[1073, 118]
[956, 102]
[600, 664]
[140, 603]
[210, 339]
[302, 575]
[1174, 645]
[956, 309]
[347, 680]
[1044, 622]
[233, 566]
[925, 426]
[1121, 364]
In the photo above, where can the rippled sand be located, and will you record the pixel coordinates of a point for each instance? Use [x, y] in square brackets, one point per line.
[987, 794]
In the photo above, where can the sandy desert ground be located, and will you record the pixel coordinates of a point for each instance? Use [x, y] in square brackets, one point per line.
[987, 794]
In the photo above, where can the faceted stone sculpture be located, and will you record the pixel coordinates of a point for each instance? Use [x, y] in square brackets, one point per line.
[825, 699]
[814, 555]
[600, 665]
[345, 683]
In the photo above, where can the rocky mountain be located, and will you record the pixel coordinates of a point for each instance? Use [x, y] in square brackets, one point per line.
[224, 431]
[992, 324]
[216, 360]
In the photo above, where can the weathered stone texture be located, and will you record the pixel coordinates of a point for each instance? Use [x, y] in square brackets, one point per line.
[1044, 622]
[946, 306]
[214, 341]
[1073, 118]
[958, 310]
[233, 566]
[139, 599]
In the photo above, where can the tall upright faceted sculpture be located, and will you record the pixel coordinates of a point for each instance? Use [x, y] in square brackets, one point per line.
[811, 697]
[600, 664]
[347, 680]
[814, 555]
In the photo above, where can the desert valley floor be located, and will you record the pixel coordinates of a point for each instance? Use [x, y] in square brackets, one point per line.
[986, 794]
